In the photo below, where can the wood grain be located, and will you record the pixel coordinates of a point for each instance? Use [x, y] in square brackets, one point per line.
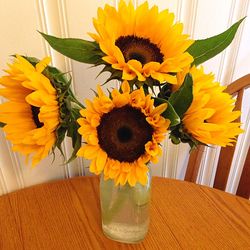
[66, 215]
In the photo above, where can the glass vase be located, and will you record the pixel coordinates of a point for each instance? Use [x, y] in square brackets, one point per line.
[125, 210]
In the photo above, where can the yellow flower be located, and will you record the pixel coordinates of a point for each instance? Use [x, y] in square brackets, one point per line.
[122, 134]
[32, 113]
[210, 117]
[142, 42]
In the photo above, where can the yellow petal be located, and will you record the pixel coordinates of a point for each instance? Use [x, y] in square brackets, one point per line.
[43, 64]
[88, 151]
[101, 160]
[159, 109]
[125, 87]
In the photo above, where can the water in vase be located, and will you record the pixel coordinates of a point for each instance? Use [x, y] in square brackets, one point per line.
[125, 211]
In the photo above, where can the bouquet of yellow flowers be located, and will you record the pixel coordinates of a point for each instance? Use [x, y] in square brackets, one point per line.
[163, 90]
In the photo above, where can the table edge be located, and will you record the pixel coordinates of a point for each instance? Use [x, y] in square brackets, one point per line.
[72, 179]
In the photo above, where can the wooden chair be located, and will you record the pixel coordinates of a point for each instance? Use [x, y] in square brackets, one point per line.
[226, 153]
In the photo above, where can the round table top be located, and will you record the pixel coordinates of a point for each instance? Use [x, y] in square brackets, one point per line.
[66, 215]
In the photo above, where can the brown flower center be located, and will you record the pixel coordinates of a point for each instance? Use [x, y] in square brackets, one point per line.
[123, 133]
[140, 49]
[35, 111]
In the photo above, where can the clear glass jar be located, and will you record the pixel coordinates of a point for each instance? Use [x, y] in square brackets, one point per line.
[125, 210]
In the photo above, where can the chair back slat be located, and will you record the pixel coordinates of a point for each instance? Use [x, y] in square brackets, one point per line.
[244, 184]
[223, 167]
[194, 164]
[226, 154]
[238, 84]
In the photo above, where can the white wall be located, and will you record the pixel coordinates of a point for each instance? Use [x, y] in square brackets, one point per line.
[19, 21]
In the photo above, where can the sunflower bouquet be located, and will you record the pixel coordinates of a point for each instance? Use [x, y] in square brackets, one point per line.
[163, 89]
[160, 89]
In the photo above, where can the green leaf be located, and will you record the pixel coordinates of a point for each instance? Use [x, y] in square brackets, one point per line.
[203, 50]
[175, 140]
[32, 60]
[169, 113]
[76, 146]
[2, 124]
[183, 97]
[115, 75]
[77, 49]
[60, 135]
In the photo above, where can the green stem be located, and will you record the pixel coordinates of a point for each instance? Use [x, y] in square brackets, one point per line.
[110, 208]
[75, 100]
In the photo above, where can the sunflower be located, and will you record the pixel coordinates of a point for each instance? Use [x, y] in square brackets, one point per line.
[210, 117]
[31, 114]
[122, 134]
[142, 42]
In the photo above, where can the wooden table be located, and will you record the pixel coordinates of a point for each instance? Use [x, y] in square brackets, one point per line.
[66, 215]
